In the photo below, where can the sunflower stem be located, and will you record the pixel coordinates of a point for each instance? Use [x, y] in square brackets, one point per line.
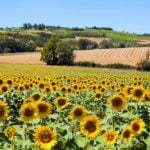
[12, 144]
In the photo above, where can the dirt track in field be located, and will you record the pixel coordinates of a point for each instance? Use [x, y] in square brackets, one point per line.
[129, 56]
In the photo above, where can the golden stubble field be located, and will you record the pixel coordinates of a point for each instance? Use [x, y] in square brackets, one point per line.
[130, 56]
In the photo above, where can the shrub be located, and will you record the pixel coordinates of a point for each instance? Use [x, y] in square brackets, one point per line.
[106, 44]
[144, 64]
[84, 44]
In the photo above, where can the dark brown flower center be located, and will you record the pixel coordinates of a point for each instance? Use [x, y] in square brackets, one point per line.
[61, 102]
[78, 112]
[98, 95]
[4, 89]
[42, 108]
[126, 134]
[28, 112]
[36, 97]
[110, 137]
[138, 93]
[46, 137]
[90, 126]
[135, 127]
[117, 102]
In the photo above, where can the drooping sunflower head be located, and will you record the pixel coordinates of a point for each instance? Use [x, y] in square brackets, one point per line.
[117, 102]
[138, 93]
[10, 132]
[127, 134]
[137, 126]
[36, 96]
[4, 89]
[110, 136]
[45, 137]
[90, 126]
[44, 108]
[61, 102]
[28, 112]
[98, 96]
[27, 100]
[78, 112]
[4, 111]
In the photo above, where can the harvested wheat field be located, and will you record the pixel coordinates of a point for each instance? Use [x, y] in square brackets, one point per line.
[130, 56]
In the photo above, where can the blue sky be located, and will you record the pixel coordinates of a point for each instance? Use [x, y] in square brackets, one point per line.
[122, 15]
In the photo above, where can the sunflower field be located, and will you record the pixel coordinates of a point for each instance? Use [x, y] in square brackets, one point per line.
[73, 108]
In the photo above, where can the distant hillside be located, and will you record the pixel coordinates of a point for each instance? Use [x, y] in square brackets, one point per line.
[29, 37]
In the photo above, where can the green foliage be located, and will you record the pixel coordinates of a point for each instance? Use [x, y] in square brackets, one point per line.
[92, 64]
[65, 54]
[15, 45]
[144, 64]
[84, 44]
[56, 52]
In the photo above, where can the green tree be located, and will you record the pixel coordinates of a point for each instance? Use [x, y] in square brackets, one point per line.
[65, 54]
[56, 52]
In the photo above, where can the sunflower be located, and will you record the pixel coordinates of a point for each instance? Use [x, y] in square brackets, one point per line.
[47, 89]
[69, 89]
[138, 93]
[44, 108]
[98, 96]
[26, 86]
[10, 132]
[78, 112]
[110, 136]
[9, 82]
[103, 89]
[4, 89]
[147, 96]
[117, 102]
[63, 89]
[128, 90]
[21, 88]
[4, 111]
[54, 88]
[127, 134]
[45, 137]
[41, 85]
[61, 102]
[77, 92]
[137, 126]
[36, 96]
[28, 112]
[90, 126]
[27, 100]
[1, 82]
